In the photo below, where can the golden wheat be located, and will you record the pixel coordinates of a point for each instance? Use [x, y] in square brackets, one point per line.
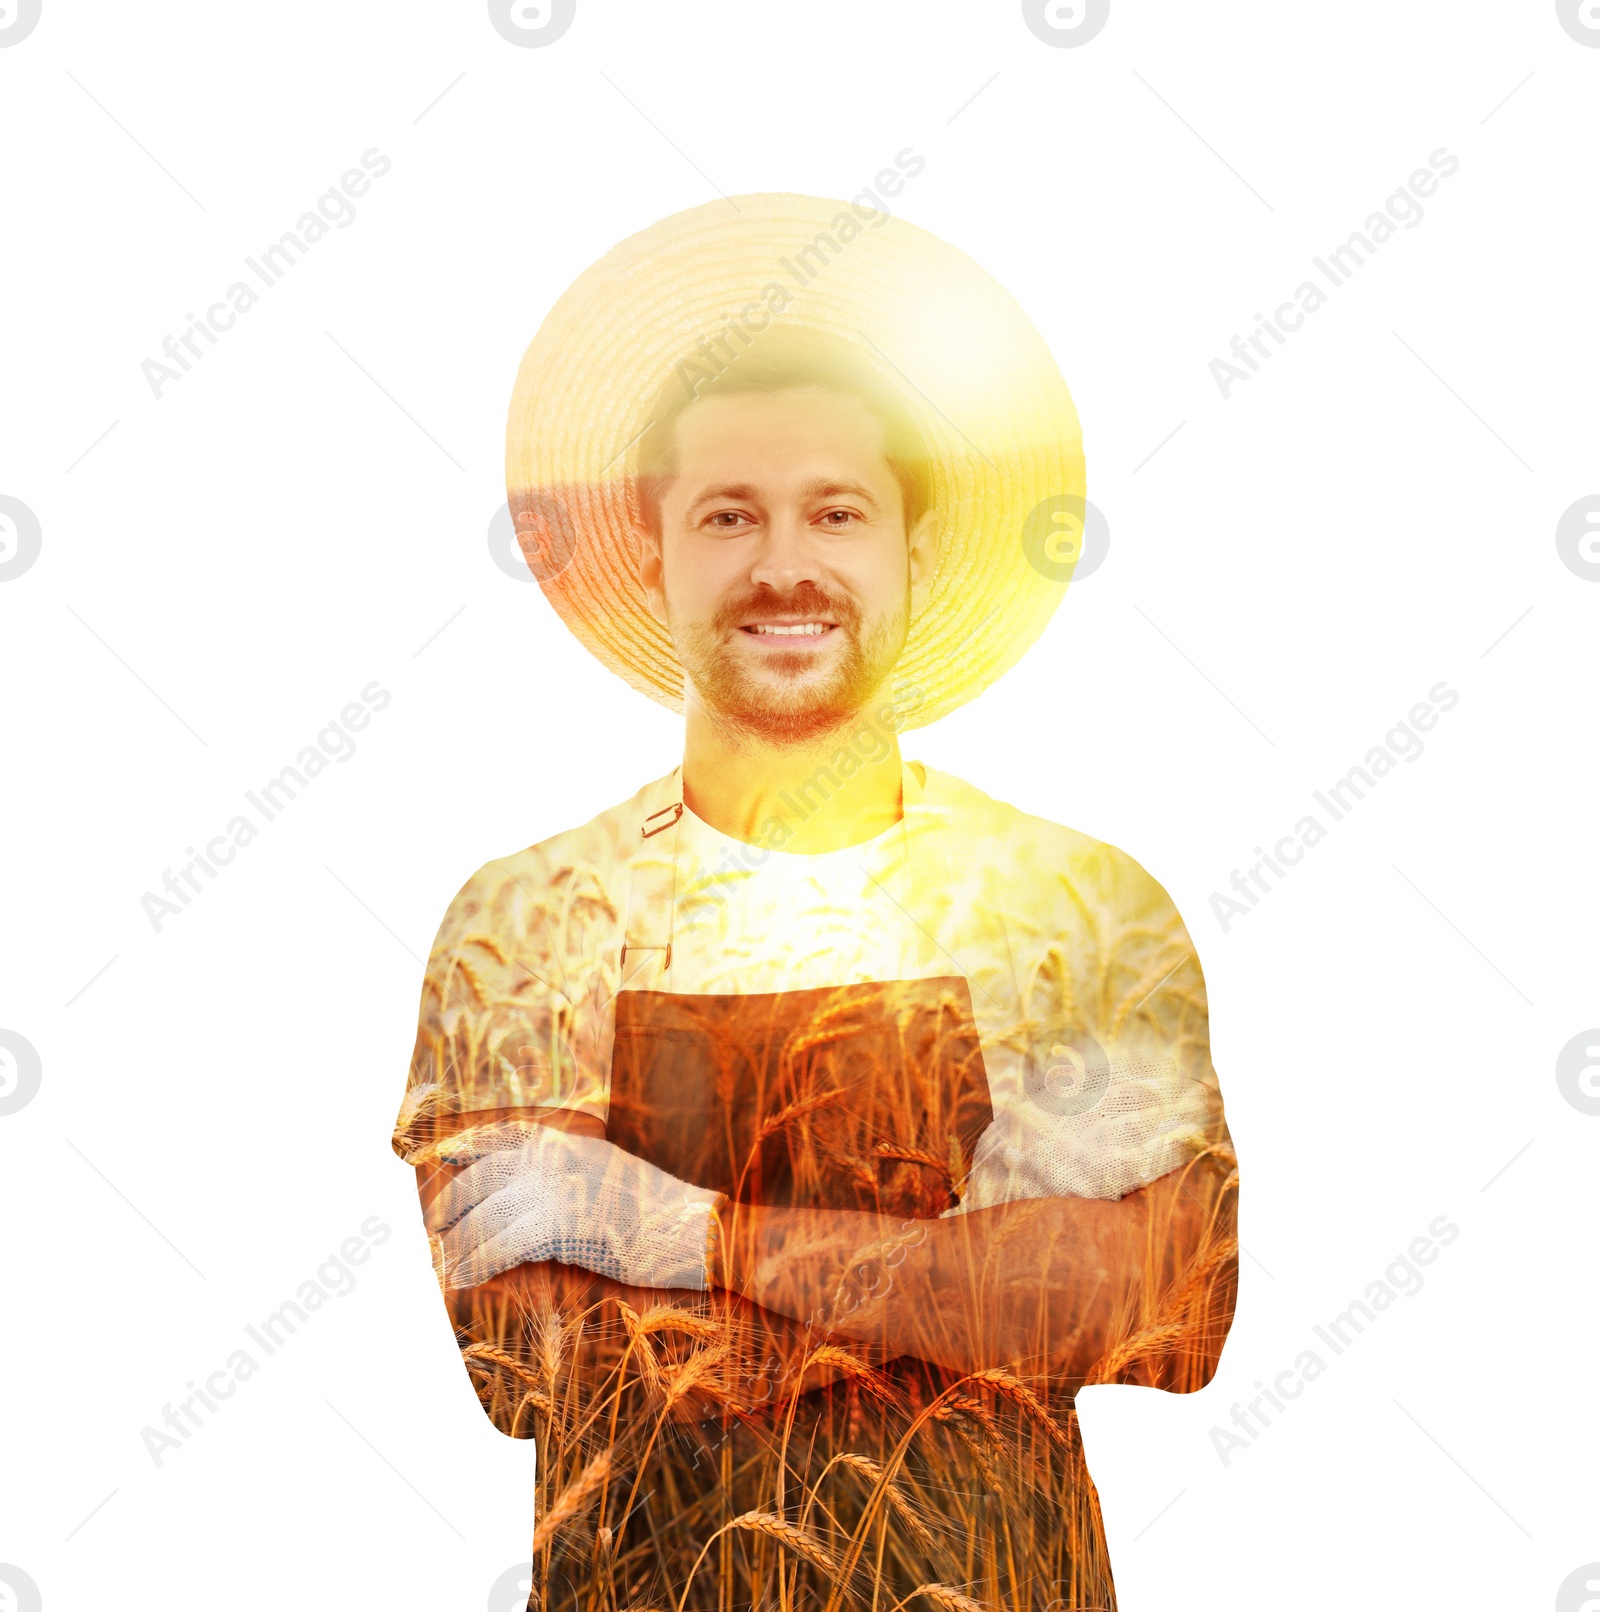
[671, 1318]
[944, 1595]
[1010, 1386]
[903, 1506]
[490, 945]
[789, 1536]
[966, 1492]
[571, 1500]
[855, 1368]
[1110, 1367]
[487, 1353]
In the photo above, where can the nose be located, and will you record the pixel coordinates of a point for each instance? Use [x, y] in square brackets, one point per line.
[787, 556]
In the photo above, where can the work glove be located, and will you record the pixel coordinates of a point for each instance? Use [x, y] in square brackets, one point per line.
[1135, 1121]
[535, 1193]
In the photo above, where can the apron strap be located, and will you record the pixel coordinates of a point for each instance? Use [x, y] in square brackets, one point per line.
[652, 884]
[653, 874]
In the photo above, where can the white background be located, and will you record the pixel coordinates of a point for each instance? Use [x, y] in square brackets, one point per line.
[306, 512]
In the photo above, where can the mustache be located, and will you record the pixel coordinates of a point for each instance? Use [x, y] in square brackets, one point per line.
[806, 600]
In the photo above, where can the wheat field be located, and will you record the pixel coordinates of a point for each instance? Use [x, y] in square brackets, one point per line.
[696, 1454]
[678, 1469]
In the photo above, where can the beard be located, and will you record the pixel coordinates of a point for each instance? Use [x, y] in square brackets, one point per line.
[791, 701]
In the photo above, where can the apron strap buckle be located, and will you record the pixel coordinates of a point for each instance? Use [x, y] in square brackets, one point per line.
[671, 813]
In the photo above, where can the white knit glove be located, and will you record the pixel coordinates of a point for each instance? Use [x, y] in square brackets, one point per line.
[1150, 1119]
[536, 1193]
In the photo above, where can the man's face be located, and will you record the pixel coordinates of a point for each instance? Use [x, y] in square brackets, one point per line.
[784, 571]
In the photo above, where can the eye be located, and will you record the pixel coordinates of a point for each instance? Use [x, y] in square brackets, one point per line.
[839, 519]
[727, 520]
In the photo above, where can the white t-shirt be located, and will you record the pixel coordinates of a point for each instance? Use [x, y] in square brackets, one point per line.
[1083, 989]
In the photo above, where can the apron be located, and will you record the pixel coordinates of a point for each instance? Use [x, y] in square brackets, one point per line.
[868, 1096]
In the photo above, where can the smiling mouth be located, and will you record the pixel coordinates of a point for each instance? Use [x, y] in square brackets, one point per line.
[789, 629]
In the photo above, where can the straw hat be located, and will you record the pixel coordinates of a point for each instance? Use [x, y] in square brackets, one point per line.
[1007, 472]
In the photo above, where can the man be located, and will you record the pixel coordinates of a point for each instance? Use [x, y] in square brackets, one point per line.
[799, 1134]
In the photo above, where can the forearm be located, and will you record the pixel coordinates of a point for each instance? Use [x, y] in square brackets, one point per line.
[498, 1323]
[1047, 1284]
[501, 1324]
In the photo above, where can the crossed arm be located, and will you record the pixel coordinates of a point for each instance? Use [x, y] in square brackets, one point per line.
[1046, 1284]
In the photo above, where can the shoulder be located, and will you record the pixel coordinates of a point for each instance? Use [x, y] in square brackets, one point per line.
[572, 873]
[1092, 940]
[1046, 856]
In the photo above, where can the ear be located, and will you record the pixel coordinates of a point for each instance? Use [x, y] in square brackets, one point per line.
[922, 552]
[647, 552]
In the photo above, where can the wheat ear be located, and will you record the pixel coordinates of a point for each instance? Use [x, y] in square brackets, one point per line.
[571, 1500]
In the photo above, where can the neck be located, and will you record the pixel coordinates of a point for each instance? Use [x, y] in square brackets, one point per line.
[743, 785]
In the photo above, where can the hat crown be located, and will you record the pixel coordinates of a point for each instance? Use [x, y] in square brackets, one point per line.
[1006, 472]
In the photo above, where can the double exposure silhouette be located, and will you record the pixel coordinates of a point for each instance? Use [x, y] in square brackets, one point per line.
[796, 1138]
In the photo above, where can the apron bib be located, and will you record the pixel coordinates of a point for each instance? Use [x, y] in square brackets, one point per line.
[868, 1096]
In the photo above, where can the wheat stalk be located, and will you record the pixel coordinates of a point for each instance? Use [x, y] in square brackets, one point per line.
[670, 1318]
[984, 1457]
[789, 1536]
[975, 1408]
[1010, 1386]
[551, 1343]
[459, 965]
[795, 1110]
[571, 1499]
[895, 1495]
[489, 944]
[485, 1356]
[855, 1368]
[834, 1023]
[1111, 1365]
[1202, 1270]
[786, 1534]
[693, 1373]
[943, 1595]
[914, 1155]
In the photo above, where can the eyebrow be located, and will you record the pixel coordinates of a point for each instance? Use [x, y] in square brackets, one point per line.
[821, 487]
[740, 492]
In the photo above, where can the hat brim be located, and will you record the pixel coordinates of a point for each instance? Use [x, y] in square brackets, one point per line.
[988, 398]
